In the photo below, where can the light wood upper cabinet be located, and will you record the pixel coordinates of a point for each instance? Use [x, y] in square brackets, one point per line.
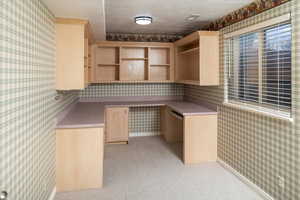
[133, 62]
[197, 59]
[116, 124]
[72, 54]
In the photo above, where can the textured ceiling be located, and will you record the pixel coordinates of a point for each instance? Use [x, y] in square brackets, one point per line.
[169, 16]
[93, 10]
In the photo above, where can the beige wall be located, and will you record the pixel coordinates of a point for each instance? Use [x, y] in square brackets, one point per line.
[257, 146]
[28, 108]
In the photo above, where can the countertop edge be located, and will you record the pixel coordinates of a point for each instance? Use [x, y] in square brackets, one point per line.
[81, 126]
[101, 124]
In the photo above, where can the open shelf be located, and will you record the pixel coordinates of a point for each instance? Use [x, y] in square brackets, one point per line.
[134, 53]
[133, 70]
[134, 58]
[109, 55]
[189, 51]
[107, 65]
[107, 73]
[159, 65]
[159, 72]
[128, 62]
[197, 59]
[160, 56]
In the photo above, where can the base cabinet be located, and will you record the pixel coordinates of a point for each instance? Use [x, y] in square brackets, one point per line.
[200, 139]
[79, 158]
[116, 125]
[197, 132]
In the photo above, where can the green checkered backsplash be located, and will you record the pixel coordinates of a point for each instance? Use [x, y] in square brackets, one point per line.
[132, 89]
[28, 108]
[143, 121]
[259, 147]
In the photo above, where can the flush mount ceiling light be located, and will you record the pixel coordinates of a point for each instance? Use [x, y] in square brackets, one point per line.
[143, 20]
[193, 17]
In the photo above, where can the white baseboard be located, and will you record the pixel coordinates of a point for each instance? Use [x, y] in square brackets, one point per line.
[254, 187]
[138, 134]
[53, 193]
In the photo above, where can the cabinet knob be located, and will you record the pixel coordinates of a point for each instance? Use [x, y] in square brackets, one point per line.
[3, 195]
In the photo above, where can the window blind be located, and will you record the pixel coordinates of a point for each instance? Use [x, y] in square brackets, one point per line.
[259, 69]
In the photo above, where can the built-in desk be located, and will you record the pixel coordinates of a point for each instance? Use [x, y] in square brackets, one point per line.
[82, 130]
[91, 114]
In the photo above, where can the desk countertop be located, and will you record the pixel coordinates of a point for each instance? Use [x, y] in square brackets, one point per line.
[91, 114]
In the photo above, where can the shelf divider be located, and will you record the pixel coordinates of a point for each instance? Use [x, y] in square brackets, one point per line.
[189, 51]
[160, 65]
[134, 58]
[109, 65]
[148, 64]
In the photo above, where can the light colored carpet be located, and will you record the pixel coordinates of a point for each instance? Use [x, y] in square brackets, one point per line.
[150, 169]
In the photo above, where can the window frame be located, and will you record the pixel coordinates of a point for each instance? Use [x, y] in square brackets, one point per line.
[258, 106]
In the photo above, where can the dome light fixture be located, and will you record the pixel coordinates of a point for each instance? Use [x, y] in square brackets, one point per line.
[143, 20]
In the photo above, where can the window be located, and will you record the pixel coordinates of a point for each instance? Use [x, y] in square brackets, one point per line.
[259, 68]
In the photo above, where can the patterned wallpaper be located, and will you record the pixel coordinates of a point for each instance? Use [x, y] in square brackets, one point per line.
[257, 146]
[258, 6]
[144, 121]
[296, 97]
[28, 108]
[135, 37]
[132, 89]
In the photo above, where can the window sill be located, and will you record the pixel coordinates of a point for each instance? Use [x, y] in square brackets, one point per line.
[261, 112]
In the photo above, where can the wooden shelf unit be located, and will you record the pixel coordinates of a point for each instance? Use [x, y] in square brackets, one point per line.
[126, 62]
[197, 59]
[107, 63]
[160, 68]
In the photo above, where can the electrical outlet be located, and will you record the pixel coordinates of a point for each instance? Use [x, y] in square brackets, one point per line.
[280, 181]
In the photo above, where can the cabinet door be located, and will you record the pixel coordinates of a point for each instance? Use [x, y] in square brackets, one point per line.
[209, 60]
[200, 139]
[116, 124]
[74, 169]
[70, 59]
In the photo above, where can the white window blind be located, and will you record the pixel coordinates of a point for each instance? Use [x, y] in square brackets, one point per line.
[259, 69]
